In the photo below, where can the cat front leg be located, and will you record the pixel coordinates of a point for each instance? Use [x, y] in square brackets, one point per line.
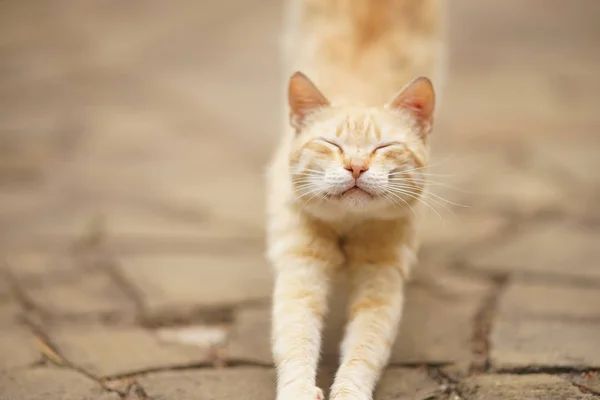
[303, 272]
[374, 314]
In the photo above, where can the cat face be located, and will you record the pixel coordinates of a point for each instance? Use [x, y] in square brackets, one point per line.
[359, 160]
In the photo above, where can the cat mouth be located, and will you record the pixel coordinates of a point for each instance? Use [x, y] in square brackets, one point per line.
[355, 190]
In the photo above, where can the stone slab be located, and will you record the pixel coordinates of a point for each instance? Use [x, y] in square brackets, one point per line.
[258, 383]
[250, 337]
[503, 183]
[404, 383]
[546, 326]
[9, 313]
[578, 159]
[395, 383]
[458, 228]
[48, 384]
[537, 300]
[17, 348]
[553, 247]
[525, 343]
[588, 379]
[238, 383]
[223, 278]
[110, 351]
[93, 293]
[435, 329]
[122, 220]
[4, 288]
[520, 387]
[31, 268]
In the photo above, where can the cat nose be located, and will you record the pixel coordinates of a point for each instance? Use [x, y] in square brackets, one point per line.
[357, 168]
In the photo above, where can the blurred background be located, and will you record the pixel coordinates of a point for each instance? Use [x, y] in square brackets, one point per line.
[139, 130]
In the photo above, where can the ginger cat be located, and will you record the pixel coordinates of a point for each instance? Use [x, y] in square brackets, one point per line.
[345, 180]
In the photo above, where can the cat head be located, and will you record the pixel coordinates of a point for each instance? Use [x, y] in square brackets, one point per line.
[359, 160]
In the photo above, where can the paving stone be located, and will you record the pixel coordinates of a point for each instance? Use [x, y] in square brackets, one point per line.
[539, 301]
[520, 343]
[110, 351]
[256, 383]
[250, 337]
[535, 335]
[4, 289]
[519, 387]
[502, 184]
[241, 383]
[123, 220]
[9, 312]
[588, 379]
[553, 247]
[30, 266]
[436, 328]
[92, 293]
[395, 383]
[204, 280]
[457, 230]
[404, 383]
[17, 347]
[576, 159]
[50, 383]
[546, 326]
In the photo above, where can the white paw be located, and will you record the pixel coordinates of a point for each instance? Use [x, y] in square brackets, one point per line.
[318, 394]
[298, 394]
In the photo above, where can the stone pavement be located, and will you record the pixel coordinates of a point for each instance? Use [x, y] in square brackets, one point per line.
[133, 137]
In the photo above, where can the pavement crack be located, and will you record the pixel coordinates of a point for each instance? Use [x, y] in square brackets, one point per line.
[448, 384]
[585, 388]
[111, 266]
[217, 364]
[26, 303]
[93, 243]
[571, 374]
[550, 370]
[482, 326]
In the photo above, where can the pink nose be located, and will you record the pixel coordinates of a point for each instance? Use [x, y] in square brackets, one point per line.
[357, 168]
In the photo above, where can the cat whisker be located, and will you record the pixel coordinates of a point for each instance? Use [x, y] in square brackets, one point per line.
[430, 183]
[426, 174]
[419, 198]
[386, 195]
[429, 193]
[421, 194]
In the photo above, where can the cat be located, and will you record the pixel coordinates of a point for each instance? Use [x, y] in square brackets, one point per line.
[344, 182]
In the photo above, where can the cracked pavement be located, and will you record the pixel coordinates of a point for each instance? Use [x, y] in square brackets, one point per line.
[133, 137]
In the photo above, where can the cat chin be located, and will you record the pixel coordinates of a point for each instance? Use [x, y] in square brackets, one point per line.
[355, 199]
[356, 205]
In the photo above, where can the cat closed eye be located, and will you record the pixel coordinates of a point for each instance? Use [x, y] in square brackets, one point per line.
[330, 143]
[386, 146]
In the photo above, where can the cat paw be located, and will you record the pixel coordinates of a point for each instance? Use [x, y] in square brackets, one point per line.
[313, 394]
[318, 394]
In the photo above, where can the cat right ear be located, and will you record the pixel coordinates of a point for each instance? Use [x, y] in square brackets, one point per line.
[303, 98]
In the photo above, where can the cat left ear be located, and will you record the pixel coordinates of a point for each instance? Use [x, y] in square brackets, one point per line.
[303, 98]
[418, 98]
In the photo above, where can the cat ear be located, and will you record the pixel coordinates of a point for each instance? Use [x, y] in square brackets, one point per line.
[418, 98]
[303, 98]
